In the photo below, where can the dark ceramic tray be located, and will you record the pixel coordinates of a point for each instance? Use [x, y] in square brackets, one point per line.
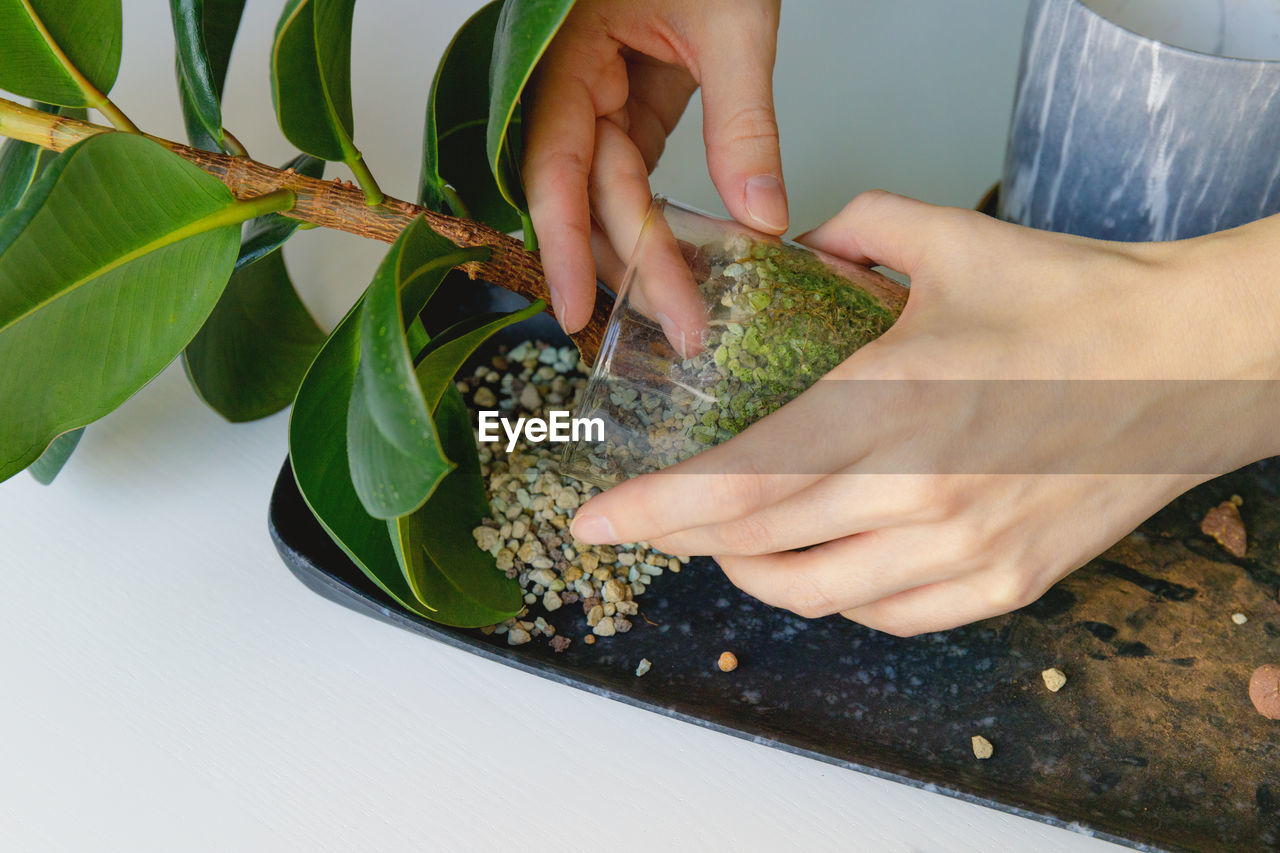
[1153, 742]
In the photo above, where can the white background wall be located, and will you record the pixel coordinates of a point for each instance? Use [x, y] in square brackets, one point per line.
[167, 685]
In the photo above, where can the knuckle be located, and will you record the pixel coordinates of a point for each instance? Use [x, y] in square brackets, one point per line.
[864, 202]
[750, 123]
[740, 486]
[749, 536]
[558, 161]
[806, 597]
[1010, 590]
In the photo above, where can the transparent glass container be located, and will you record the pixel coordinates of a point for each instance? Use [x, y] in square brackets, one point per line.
[714, 327]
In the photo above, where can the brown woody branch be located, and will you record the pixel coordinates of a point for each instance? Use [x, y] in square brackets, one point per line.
[332, 204]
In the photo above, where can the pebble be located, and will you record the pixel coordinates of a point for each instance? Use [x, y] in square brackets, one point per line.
[533, 505]
[614, 591]
[728, 662]
[1239, 618]
[643, 667]
[1054, 679]
[530, 398]
[982, 748]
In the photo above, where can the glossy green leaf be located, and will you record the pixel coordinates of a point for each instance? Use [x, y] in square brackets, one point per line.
[20, 164]
[252, 352]
[318, 453]
[440, 557]
[524, 30]
[204, 33]
[55, 456]
[64, 52]
[447, 352]
[107, 269]
[396, 456]
[455, 172]
[311, 77]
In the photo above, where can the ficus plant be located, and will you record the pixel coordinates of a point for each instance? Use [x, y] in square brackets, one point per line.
[121, 252]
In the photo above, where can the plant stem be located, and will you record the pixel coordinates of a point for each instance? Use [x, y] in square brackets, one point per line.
[372, 192]
[333, 204]
[118, 120]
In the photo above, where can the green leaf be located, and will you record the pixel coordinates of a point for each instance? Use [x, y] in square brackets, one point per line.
[455, 172]
[445, 354]
[252, 352]
[64, 52]
[107, 269]
[396, 457]
[318, 453]
[524, 30]
[204, 33]
[20, 164]
[50, 464]
[311, 76]
[440, 557]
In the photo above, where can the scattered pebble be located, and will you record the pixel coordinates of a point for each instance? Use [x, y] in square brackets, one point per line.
[728, 662]
[1264, 690]
[1054, 679]
[528, 532]
[982, 748]
[1239, 618]
[643, 667]
[1225, 525]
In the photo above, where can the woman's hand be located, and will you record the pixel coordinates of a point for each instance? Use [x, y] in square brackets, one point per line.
[609, 90]
[927, 504]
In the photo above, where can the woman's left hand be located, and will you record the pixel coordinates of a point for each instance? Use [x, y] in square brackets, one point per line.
[926, 504]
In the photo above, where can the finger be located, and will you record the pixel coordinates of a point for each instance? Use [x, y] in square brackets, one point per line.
[744, 474]
[840, 575]
[618, 187]
[739, 124]
[662, 286]
[843, 504]
[560, 129]
[659, 93]
[945, 605]
[609, 267]
[879, 227]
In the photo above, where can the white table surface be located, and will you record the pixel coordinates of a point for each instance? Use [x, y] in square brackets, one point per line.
[168, 685]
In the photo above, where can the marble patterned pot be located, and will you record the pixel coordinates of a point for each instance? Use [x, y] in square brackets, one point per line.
[1145, 119]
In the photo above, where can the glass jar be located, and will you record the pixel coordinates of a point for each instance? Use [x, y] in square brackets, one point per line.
[715, 326]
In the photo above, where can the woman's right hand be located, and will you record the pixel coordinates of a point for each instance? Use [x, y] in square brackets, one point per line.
[610, 88]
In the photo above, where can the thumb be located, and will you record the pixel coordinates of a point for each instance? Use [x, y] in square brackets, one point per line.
[881, 228]
[739, 125]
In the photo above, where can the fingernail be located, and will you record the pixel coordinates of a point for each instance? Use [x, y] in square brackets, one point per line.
[767, 202]
[674, 334]
[594, 529]
[557, 304]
